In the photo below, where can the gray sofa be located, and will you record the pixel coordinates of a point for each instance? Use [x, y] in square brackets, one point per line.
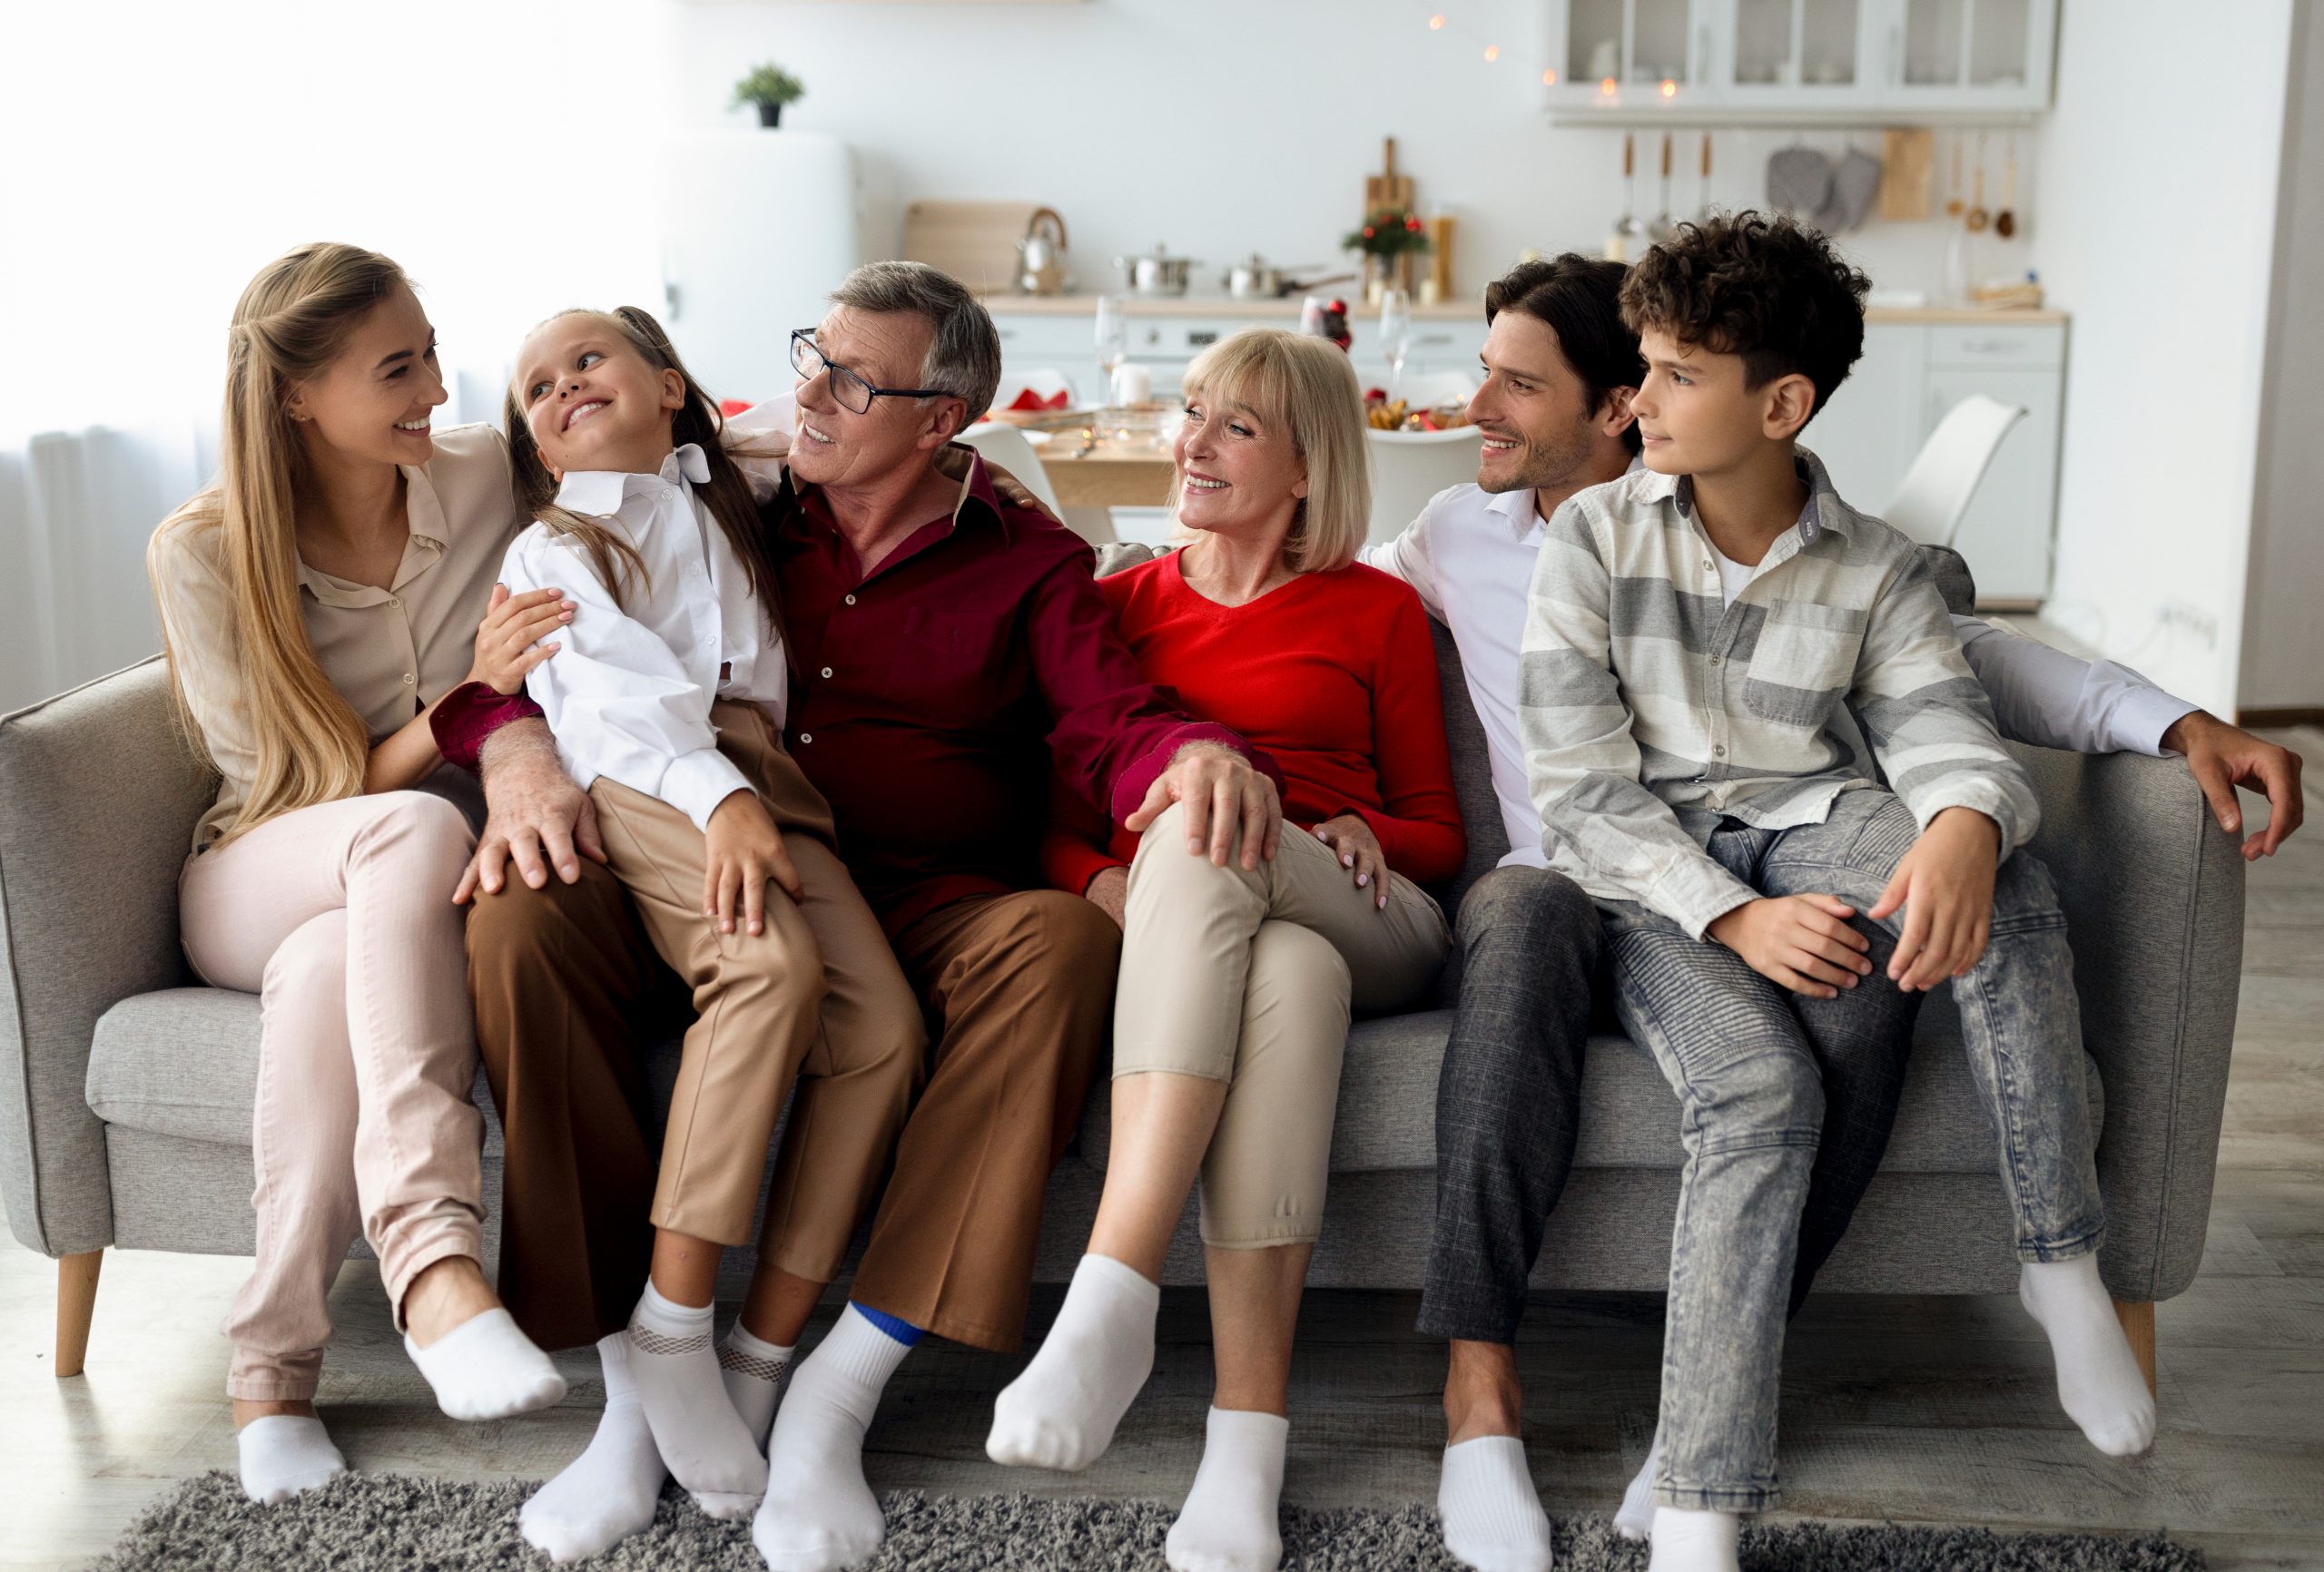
[125, 1092]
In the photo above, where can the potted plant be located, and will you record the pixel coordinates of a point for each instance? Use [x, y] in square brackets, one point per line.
[1389, 240]
[770, 87]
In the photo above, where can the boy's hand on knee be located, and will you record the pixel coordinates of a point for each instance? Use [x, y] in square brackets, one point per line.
[743, 850]
[1946, 886]
[1803, 942]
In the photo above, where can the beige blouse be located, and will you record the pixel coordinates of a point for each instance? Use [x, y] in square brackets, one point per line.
[391, 653]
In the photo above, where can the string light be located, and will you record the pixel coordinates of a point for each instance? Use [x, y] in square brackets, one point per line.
[1669, 88]
[1608, 86]
[1549, 77]
[1436, 23]
[1492, 52]
[1441, 22]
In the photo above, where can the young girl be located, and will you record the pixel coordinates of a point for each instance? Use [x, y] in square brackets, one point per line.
[667, 699]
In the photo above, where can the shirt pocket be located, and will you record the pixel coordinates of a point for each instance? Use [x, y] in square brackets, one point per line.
[1804, 662]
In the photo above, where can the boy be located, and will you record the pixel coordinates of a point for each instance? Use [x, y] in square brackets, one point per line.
[1710, 645]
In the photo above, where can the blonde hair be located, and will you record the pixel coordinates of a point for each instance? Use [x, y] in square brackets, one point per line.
[291, 323]
[1304, 386]
[727, 493]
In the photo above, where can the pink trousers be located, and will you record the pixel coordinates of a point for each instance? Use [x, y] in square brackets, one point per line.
[341, 918]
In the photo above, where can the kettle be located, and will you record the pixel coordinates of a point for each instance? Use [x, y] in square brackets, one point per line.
[1041, 257]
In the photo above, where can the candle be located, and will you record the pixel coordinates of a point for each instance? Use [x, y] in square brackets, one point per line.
[1133, 384]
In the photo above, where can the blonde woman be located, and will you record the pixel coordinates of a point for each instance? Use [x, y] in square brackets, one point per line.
[1237, 984]
[335, 582]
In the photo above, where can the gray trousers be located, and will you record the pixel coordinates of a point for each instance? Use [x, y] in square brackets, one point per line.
[1732, 1045]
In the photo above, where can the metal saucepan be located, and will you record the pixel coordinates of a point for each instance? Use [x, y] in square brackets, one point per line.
[1256, 279]
[1158, 274]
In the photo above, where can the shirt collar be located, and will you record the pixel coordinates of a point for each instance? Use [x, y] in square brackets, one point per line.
[428, 535]
[1822, 509]
[955, 461]
[599, 492]
[1516, 509]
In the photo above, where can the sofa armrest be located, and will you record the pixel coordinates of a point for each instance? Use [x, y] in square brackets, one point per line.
[99, 795]
[2153, 896]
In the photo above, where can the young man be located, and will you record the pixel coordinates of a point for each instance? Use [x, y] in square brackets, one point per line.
[1559, 369]
[1711, 645]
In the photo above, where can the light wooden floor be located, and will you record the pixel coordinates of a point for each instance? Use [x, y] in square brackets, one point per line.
[1929, 1409]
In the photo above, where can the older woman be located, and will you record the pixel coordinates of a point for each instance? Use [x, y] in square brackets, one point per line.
[1237, 983]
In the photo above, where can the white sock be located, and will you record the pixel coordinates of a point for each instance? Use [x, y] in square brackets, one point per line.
[484, 1369]
[610, 1491]
[1492, 1517]
[1228, 1523]
[1061, 1412]
[819, 1515]
[282, 1455]
[701, 1437]
[751, 1368]
[1694, 1541]
[2100, 1384]
[1635, 1517]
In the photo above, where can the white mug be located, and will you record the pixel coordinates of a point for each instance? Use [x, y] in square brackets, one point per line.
[1133, 384]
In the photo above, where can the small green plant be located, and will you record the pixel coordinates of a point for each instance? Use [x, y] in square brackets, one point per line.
[770, 87]
[1388, 232]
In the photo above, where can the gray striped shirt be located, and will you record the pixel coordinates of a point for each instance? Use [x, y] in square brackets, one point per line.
[1649, 709]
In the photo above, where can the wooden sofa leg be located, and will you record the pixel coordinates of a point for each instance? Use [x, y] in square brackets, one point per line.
[76, 1305]
[2137, 1325]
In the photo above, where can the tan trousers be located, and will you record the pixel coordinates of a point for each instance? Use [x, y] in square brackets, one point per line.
[817, 999]
[340, 917]
[1249, 977]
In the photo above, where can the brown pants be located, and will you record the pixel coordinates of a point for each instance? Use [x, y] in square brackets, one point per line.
[568, 992]
[815, 998]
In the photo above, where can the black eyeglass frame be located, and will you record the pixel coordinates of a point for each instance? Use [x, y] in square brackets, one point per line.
[806, 337]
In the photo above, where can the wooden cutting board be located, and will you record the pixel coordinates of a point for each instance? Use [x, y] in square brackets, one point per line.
[1907, 173]
[976, 242]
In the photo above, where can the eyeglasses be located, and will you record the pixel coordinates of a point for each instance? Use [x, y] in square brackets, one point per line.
[851, 391]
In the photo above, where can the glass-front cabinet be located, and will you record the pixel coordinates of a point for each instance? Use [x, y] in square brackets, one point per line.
[1639, 60]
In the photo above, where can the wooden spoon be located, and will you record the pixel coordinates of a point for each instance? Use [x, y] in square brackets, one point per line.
[1978, 217]
[2005, 221]
[1953, 205]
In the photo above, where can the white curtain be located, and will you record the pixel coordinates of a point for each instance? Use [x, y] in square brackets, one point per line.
[160, 153]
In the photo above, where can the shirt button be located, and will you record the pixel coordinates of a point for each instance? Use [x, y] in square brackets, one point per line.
[1707, 567]
[408, 678]
[393, 601]
[851, 600]
[1718, 751]
[806, 736]
[827, 670]
[1713, 660]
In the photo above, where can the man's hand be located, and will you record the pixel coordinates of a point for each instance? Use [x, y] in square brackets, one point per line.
[1358, 850]
[743, 850]
[1946, 886]
[2220, 757]
[1802, 942]
[1109, 893]
[1222, 793]
[536, 815]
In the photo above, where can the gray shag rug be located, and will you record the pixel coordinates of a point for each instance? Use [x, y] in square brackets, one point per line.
[398, 1523]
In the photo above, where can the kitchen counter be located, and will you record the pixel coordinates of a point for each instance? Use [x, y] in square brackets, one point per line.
[1444, 310]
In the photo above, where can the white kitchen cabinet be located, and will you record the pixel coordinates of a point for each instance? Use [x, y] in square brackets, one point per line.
[1729, 62]
[1869, 429]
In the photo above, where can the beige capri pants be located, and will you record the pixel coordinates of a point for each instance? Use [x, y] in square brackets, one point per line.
[1251, 977]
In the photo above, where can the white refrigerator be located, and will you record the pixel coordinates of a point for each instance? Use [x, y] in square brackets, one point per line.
[758, 227]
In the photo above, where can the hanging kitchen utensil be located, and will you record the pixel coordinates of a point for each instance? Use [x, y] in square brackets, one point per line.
[1953, 206]
[1977, 217]
[1664, 226]
[1628, 241]
[1799, 179]
[1855, 181]
[1702, 188]
[2005, 220]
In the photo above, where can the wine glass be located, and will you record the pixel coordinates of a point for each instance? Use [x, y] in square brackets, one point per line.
[1113, 343]
[1395, 333]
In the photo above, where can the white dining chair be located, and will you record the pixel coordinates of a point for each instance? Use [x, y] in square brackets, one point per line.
[1006, 445]
[1935, 493]
[1408, 467]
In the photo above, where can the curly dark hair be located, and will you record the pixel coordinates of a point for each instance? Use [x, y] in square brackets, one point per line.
[1770, 290]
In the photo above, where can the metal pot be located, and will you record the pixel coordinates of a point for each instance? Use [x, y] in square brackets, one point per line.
[1159, 274]
[1255, 280]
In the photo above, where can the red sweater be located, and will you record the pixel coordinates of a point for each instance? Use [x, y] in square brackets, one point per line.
[1333, 673]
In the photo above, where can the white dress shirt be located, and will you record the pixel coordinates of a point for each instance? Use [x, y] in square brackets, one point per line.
[628, 693]
[1470, 555]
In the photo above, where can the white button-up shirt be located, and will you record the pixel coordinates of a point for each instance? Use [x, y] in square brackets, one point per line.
[628, 693]
[1470, 556]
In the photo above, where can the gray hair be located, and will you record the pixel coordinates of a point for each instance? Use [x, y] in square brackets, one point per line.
[963, 354]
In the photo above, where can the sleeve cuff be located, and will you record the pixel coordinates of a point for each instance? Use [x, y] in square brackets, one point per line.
[696, 783]
[463, 718]
[2143, 715]
[1698, 894]
[2016, 827]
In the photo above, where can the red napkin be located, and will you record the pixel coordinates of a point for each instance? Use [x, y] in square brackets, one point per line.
[735, 406]
[1028, 400]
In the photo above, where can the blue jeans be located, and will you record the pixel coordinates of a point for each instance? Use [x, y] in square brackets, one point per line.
[1733, 1047]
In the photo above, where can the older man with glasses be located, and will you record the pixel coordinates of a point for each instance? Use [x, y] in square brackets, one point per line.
[951, 655]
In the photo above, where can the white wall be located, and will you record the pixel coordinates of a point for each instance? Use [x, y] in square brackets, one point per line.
[1225, 126]
[2158, 238]
[2283, 636]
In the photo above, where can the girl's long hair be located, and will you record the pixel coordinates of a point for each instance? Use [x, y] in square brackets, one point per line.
[291, 323]
[727, 493]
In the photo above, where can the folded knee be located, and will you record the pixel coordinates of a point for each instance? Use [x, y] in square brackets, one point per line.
[1761, 1099]
[422, 826]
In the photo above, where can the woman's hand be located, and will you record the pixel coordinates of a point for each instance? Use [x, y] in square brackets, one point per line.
[744, 850]
[507, 641]
[1109, 893]
[1359, 851]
